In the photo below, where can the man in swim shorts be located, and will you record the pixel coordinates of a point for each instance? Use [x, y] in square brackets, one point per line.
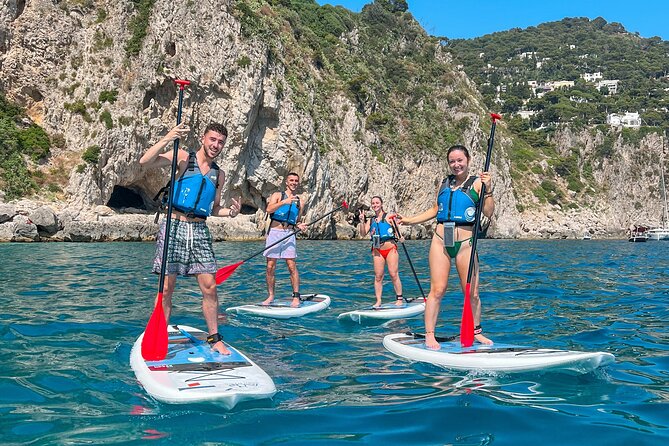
[285, 209]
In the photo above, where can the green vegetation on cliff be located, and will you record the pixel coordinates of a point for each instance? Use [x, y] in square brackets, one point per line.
[399, 78]
[18, 141]
[504, 64]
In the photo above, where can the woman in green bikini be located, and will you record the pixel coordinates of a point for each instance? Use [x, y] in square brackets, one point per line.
[455, 210]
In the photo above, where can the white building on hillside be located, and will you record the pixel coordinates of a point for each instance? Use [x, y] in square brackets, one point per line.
[632, 120]
[554, 85]
[526, 114]
[611, 84]
[592, 77]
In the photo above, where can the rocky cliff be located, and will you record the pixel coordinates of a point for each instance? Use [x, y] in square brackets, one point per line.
[68, 64]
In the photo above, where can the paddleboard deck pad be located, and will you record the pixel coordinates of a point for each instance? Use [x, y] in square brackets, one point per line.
[281, 309]
[384, 312]
[497, 357]
[193, 372]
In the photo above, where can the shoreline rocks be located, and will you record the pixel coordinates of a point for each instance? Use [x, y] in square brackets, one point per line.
[29, 221]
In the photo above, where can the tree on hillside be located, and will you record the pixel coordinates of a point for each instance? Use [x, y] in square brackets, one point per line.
[393, 5]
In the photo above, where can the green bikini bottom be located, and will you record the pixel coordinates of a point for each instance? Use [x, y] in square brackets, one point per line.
[453, 250]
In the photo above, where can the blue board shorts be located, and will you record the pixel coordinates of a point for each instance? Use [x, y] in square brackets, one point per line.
[284, 250]
[190, 250]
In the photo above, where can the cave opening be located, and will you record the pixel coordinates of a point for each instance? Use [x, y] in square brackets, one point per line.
[123, 197]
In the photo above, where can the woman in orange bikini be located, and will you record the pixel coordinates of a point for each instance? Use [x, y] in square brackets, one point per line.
[384, 249]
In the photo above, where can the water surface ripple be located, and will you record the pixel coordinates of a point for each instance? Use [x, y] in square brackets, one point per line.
[71, 312]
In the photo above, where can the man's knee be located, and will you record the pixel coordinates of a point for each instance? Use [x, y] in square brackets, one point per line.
[292, 266]
[208, 291]
[271, 267]
[169, 286]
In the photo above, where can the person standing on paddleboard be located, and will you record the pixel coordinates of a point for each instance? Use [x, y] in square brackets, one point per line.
[455, 210]
[285, 209]
[384, 249]
[196, 196]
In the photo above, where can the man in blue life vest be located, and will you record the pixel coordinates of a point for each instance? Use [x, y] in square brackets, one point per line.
[196, 195]
[285, 209]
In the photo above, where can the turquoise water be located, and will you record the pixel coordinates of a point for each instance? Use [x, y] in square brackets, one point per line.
[71, 312]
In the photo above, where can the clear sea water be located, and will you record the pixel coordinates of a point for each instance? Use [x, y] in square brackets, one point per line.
[70, 313]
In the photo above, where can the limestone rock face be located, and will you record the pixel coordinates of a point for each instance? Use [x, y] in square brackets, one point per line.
[25, 231]
[6, 232]
[46, 221]
[66, 73]
[80, 57]
[7, 212]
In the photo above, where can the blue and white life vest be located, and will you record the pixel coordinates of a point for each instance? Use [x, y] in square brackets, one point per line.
[286, 213]
[457, 205]
[194, 193]
[381, 228]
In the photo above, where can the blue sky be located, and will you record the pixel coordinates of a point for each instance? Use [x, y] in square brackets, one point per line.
[472, 18]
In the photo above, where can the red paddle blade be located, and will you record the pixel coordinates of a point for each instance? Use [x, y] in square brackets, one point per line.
[154, 343]
[467, 323]
[225, 272]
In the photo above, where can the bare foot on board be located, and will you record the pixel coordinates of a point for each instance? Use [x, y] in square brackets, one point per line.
[221, 348]
[430, 342]
[482, 339]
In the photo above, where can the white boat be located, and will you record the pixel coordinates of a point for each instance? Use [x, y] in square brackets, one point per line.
[638, 234]
[658, 234]
[587, 236]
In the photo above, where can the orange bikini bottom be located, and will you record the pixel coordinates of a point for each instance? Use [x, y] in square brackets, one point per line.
[384, 252]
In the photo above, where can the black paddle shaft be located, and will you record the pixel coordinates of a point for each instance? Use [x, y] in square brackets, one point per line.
[168, 221]
[413, 270]
[479, 207]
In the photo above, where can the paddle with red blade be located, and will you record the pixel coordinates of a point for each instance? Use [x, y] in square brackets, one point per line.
[467, 323]
[223, 273]
[154, 342]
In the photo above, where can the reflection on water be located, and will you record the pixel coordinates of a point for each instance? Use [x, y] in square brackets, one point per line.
[70, 313]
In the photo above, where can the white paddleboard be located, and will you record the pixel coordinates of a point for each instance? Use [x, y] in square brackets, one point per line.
[281, 309]
[384, 312]
[497, 357]
[192, 372]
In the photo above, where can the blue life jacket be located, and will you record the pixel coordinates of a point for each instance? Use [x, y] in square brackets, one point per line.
[381, 228]
[287, 213]
[457, 205]
[194, 193]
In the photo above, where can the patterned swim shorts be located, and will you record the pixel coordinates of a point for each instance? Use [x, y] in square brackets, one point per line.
[287, 249]
[190, 249]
